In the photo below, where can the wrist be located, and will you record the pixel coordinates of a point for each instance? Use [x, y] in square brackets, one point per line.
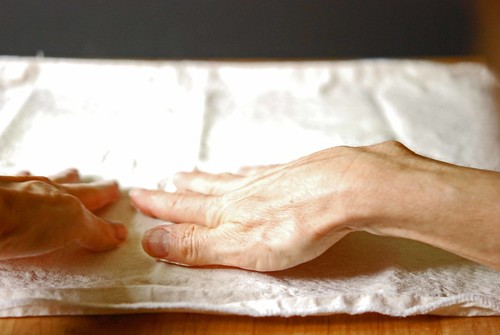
[450, 207]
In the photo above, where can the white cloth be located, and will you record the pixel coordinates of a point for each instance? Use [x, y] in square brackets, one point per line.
[141, 121]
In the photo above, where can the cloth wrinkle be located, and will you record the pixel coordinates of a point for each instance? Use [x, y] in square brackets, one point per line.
[168, 116]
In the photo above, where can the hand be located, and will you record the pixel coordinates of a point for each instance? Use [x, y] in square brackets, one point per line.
[277, 217]
[39, 215]
[266, 218]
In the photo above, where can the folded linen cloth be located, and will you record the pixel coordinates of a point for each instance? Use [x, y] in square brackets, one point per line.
[140, 121]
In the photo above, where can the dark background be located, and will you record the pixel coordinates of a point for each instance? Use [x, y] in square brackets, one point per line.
[235, 28]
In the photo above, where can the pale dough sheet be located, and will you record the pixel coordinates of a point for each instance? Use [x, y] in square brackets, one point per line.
[139, 122]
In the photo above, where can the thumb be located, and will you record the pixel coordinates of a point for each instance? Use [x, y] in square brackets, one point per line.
[100, 234]
[187, 244]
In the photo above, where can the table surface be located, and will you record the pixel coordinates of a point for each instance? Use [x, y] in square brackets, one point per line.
[186, 323]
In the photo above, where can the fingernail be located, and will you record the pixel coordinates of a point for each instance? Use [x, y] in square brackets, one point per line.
[155, 242]
[120, 231]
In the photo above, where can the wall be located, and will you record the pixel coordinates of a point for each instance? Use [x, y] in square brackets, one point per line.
[235, 28]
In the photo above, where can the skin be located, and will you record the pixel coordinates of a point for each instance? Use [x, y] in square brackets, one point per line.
[60, 213]
[273, 218]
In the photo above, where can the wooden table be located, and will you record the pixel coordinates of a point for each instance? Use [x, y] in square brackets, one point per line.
[185, 323]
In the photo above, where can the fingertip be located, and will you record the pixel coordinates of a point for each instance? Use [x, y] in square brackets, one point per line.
[67, 176]
[135, 193]
[155, 242]
[179, 181]
[116, 187]
[120, 231]
[143, 200]
[102, 235]
[108, 184]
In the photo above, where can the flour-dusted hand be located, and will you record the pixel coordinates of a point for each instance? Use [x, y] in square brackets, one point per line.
[272, 218]
[39, 215]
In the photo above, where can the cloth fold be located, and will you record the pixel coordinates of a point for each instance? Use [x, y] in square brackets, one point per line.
[141, 121]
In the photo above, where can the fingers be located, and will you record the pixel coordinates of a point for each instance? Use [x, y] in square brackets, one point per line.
[253, 170]
[196, 245]
[175, 207]
[100, 235]
[66, 177]
[94, 195]
[23, 173]
[208, 183]
[178, 244]
[190, 244]
[217, 184]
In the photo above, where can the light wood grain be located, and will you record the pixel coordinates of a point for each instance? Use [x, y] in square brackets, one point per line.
[185, 323]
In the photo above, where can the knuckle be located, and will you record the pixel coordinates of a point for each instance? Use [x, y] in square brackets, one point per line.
[214, 213]
[175, 202]
[70, 203]
[70, 200]
[211, 189]
[43, 189]
[188, 244]
[393, 145]
[37, 185]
